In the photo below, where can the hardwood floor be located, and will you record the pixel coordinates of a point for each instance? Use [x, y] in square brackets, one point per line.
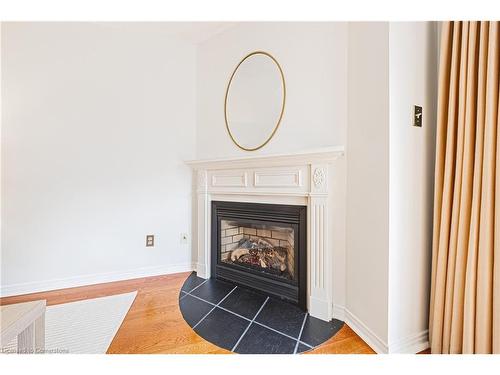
[154, 323]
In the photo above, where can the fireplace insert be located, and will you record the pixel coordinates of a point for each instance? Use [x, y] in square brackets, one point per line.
[261, 246]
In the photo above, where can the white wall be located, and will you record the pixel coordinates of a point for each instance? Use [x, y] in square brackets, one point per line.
[313, 57]
[367, 219]
[413, 80]
[97, 120]
[390, 174]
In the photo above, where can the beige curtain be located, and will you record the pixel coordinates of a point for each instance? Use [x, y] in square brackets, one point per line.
[465, 283]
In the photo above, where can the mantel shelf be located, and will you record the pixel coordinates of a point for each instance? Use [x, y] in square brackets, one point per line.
[302, 157]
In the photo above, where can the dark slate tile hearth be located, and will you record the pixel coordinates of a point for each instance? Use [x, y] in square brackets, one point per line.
[222, 328]
[282, 316]
[261, 340]
[317, 331]
[244, 302]
[193, 309]
[213, 290]
[222, 313]
[192, 282]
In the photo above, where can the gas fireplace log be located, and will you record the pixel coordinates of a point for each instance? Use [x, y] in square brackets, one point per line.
[236, 254]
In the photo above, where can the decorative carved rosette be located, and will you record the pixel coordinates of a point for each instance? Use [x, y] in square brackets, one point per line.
[319, 177]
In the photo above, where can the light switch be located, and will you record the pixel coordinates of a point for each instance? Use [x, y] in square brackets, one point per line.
[417, 116]
[150, 240]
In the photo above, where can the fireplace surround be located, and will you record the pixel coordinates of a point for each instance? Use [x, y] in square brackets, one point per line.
[314, 179]
[261, 246]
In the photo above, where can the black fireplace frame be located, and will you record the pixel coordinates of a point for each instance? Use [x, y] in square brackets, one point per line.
[290, 215]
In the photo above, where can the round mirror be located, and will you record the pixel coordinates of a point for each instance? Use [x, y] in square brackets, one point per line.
[255, 101]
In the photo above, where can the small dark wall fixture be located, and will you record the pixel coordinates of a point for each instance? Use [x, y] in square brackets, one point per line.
[417, 116]
[261, 246]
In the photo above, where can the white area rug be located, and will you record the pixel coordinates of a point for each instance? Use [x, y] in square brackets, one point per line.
[85, 327]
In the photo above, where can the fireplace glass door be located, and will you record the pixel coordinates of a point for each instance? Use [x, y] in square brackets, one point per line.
[261, 246]
[267, 248]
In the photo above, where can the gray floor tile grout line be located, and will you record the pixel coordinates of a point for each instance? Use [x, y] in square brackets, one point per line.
[249, 324]
[243, 317]
[204, 316]
[300, 333]
[232, 312]
[213, 308]
[204, 300]
[284, 334]
[192, 290]
[196, 287]
[213, 304]
[220, 307]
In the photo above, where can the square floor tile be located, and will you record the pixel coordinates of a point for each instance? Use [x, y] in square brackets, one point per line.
[244, 302]
[193, 309]
[260, 340]
[213, 290]
[317, 331]
[192, 282]
[222, 328]
[282, 316]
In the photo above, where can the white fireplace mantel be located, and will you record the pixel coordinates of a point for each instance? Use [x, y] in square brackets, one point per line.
[315, 179]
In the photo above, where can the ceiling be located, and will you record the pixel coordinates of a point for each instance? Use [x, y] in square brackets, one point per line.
[198, 32]
[191, 32]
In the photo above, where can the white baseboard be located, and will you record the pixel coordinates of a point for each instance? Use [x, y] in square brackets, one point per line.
[339, 312]
[412, 344]
[42, 286]
[365, 333]
[408, 345]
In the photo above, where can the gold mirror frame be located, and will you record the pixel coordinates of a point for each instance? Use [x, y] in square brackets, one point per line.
[282, 104]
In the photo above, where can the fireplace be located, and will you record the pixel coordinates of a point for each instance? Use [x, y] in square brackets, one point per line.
[261, 246]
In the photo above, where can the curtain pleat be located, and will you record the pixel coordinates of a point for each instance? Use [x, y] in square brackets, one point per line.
[496, 244]
[457, 188]
[464, 305]
[486, 229]
[465, 203]
[471, 266]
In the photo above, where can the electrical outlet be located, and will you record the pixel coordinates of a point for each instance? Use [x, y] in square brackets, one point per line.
[150, 240]
[417, 116]
[184, 238]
